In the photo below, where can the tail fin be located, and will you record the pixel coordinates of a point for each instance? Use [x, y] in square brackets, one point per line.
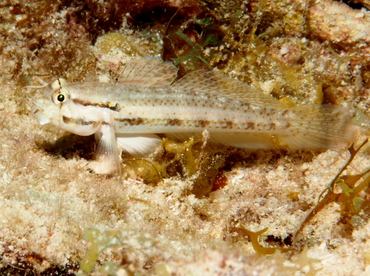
[319, 127]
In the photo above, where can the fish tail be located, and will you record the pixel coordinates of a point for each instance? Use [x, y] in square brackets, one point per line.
[319, 127]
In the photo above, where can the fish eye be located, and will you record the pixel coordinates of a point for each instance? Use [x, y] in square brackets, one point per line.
[60, 96]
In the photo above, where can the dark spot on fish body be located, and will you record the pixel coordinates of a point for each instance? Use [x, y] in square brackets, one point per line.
[228, 124]
[115, 107]
[284, 112]
[138, 121]
[78, 121]
[250, 126]
[174, 122]
[66, 120]
[272, 126]
[203, 123]
[109, 105]
[131, 121]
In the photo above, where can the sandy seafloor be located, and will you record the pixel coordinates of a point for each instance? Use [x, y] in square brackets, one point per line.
[54, 212]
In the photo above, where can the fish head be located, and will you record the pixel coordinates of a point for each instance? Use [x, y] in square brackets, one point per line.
[60, 110]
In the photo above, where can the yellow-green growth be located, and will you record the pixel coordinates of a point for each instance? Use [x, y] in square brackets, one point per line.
[350, 202]
[260, 250]
[98, 242]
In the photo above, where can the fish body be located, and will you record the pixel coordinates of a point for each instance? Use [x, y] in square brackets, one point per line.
[146, 101]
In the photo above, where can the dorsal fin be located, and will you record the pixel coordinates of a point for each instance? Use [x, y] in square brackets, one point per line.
[217, 83]
[148, 72]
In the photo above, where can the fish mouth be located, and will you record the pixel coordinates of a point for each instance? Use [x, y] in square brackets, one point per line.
[40, 112]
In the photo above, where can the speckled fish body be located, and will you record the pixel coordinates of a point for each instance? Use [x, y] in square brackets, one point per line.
[165, 110]
[146, 100]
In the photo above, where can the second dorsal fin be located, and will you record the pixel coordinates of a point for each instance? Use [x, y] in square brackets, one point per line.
[148, 72]
[217, 83]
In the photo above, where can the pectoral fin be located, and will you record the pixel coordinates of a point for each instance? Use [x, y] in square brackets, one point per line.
[107, 154]
[138, 144]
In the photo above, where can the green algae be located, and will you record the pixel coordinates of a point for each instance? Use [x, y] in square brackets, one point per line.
[353, 206]
[98, 241]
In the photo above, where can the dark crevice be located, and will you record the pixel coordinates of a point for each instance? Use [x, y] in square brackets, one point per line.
[352, 4]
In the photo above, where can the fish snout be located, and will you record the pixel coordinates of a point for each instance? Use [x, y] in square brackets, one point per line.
[39, 111]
